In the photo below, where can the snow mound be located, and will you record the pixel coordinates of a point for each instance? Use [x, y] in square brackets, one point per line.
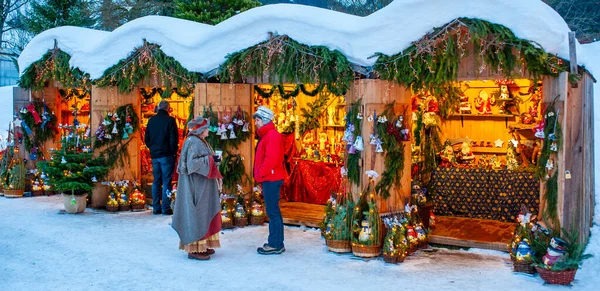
[202, 48]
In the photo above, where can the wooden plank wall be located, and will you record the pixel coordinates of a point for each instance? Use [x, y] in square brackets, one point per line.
[375, 95]
[107, 100]
[222, 97]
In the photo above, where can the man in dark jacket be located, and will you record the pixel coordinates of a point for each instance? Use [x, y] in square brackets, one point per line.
[161, 138]
[269, 170]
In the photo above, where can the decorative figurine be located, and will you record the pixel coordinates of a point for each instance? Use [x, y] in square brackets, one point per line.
[484, 102]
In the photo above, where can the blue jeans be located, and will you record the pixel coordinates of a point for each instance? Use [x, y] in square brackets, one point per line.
[162, 170]
[271, 193]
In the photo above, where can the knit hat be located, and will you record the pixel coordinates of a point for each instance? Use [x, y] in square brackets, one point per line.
[264, 113]
[198, 125]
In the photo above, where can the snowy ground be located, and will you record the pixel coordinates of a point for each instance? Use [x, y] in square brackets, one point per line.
[41, 249]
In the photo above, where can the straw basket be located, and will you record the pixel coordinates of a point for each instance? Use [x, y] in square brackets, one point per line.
[523, 267]
[339, 246]
[124, 207]
[37, 193]
[227, 224]
[363, 251]
[257, 220]
[112, 208]
[393, 259]
[560, 277]
[240, 222]
[13, 193]
[138, 207]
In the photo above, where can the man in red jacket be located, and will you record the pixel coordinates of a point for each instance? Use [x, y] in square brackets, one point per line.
[269, 170]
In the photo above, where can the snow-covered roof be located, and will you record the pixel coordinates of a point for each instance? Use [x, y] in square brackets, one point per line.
[202, 48]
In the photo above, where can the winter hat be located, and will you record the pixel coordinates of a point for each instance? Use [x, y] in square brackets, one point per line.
[264, 113]
[198, 125]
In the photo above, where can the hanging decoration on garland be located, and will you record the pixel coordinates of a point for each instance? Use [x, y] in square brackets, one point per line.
[113, 134]
[547, 166]
[149, 94]
[54, 65]
[432, 62]
[285, 95]
[281, 58]
[390, 137]
[353, 130]
[37, 128]
[227, 129]
[149, 62]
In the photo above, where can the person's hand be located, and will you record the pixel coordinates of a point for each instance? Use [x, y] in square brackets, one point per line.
[217, 158]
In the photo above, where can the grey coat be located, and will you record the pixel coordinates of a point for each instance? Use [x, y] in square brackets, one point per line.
[197, 201]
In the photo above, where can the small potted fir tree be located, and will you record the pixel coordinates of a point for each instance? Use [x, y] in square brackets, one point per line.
[73, 170]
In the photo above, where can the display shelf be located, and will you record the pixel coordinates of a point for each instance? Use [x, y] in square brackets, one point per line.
[521, 126]
[482, 116]
[486, 150]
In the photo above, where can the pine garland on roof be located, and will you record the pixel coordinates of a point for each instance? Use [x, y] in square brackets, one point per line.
[54, 65]
[285, 60]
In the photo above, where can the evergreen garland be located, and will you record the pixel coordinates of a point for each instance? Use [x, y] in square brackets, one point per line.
[432, 62]
[284, 95]
[115, 149]
[286, 60]
[149, 62]
[432, 145]
[54, 65]
[353, 159]
[233, 171]
[392, 144]
[151, 93]
[312, 115]
[68, 94]
[366, 210]
[42, 132]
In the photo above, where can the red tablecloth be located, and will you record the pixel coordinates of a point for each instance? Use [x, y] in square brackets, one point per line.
[311, 182]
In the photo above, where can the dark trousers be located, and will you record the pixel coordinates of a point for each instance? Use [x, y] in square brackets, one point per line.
[271, 193]
[162, 170]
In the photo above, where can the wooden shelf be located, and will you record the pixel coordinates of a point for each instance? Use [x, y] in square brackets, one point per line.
[521, 126]
[484, 150]
[483, 116]
[335, 126]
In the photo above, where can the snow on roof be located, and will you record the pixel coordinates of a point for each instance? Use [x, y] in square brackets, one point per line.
[202, 48]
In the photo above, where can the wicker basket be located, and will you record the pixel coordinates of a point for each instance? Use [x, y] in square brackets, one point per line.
[523, 267]
[227, 224]
[339, 246]
[37, 193]
[124, 207]
[138, 207]
[423, 244]
[560, 278]
[390, 259]
[363, 251]
[13, 193]
[257, 220]
[112, 208]
[240, 222]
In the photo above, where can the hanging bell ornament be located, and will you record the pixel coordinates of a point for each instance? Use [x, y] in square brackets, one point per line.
[359, 116]
[379, 148]
[245, 127]
[108, 136]
[554, 146]
[63, 160]
[94, 179]
[113, 117]
[352, 150]
[232, 135]
[116, 117]
[358, 144]
[373, 139]
[224, 135]
[114, 130]
[125, 135]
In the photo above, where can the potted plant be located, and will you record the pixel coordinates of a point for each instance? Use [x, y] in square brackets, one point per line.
[366, 242]
[338, 234]
[16, 179]
[563, 257]
[73, 169]
[257, 209]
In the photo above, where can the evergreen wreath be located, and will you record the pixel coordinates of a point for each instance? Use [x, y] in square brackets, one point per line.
[286, 60]
[43, 130]
[115, 148]
[233, 171]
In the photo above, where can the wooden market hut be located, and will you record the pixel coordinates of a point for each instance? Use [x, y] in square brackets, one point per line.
[399, 79]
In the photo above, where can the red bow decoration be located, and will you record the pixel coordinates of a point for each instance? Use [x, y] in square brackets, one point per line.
[36, 116]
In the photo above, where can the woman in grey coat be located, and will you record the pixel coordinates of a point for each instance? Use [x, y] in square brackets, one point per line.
[197, 213]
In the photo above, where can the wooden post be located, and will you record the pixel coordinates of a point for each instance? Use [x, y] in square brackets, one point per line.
[573, 56]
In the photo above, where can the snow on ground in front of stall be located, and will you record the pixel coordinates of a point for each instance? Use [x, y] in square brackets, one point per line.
[42, 249]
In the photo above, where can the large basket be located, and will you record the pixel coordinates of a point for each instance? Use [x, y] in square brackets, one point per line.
[227, 224]
[363, 251]
[240, 222]
[560, 277]
[339, 246]
[393, 259]
[257, 220]
[138, 207]
[523, 267]
[124, 207]
[112, 208]
[13, 193]
[37, 193]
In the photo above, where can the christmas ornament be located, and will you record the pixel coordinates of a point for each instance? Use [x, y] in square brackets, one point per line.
[63, 160]
[379, 148]
[359, 116]
[365, 232]
[114, 130]
[245, 127]
[94, 179]
[232, 135]
[358, 144]
[399, 121]
[125, 135]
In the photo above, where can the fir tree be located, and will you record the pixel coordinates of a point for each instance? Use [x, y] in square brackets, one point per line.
[73, 168]
[48, 14]
[211, 11]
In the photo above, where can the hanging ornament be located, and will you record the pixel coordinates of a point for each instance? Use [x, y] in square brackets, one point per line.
[358, 144]
[232, 135]
[114, 130]
[379, 148]
[63, 160]
[554, 146]
[352, 150]
[370, 118]
[108, 136]
[359, 116]
[373, 139]
[399, 121]
[125, 135]
[116, 117]
[113, 117]
[245, 127]
[224, 135]
[94, 179]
